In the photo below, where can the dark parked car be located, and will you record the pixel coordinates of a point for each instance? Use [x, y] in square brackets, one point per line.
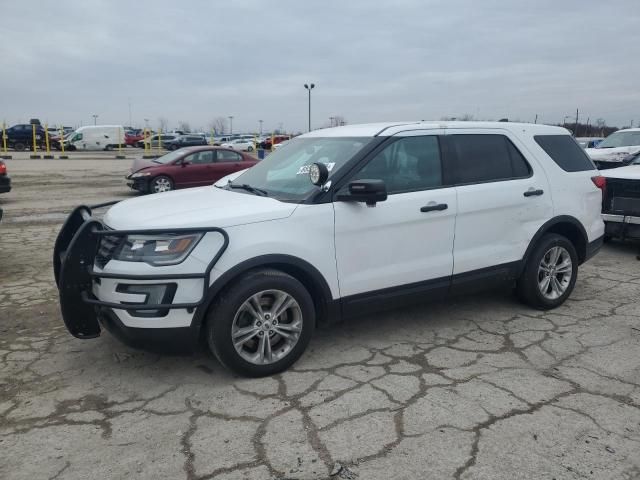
[5, 181]
[185, 141]
[186, 167]
[20, 137]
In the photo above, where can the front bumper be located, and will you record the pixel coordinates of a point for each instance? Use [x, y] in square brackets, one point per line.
[621, 226]
[83, 313]
[5, 184]
[140, 184]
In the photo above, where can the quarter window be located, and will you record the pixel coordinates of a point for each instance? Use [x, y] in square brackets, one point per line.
[408, 164]
[486, 158]
[566, 152]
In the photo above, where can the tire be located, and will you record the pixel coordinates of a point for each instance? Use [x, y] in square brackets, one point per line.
[19, 147]
[532, 283]
[229, 314]
[160, 184]
[173, 147]
[249, 148]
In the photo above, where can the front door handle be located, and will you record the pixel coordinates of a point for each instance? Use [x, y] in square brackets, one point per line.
[436, 207]
[533, 193]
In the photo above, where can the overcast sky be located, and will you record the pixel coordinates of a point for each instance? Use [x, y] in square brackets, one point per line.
[64, 60]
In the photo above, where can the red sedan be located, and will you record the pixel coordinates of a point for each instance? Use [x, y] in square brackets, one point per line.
[187, 167]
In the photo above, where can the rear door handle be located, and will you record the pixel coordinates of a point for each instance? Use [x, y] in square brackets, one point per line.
[533, 193]
[434, 208]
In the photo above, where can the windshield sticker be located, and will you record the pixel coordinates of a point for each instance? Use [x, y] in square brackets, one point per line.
[304, 169]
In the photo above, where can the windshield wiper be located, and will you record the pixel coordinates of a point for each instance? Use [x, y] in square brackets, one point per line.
[249, 188]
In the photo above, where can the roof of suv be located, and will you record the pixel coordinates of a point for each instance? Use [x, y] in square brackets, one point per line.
[391, 128]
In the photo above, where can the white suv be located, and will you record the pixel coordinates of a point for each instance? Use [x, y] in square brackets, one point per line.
[337, 222]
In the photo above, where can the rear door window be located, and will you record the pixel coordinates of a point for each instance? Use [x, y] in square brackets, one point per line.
[480, 158]
[228, 156]
[566, 152]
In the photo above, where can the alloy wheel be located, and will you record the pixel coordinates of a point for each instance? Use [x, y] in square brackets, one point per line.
[267, 327]
[554, 272]
[161, 185]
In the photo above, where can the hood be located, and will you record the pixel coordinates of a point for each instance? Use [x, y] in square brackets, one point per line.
[195, 207]
[630, 172]
[140, 163]
[611, 154]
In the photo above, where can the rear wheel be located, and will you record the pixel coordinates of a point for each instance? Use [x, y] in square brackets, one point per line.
[19, 147]
[261, 324]
[550, 273]
[161, 184]
[249, 148]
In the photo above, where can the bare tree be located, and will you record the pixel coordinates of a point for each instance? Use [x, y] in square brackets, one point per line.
[184, 127]
[218, 125]
[339, 120]
[163, 123]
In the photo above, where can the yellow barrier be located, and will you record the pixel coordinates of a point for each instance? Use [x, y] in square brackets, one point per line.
[120, 135]
[46, 138]
[212, 136]
[33, 130]
[159, 140]
[61, 138]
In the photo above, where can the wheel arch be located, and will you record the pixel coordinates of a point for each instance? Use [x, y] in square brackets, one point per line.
[326, 308]
[567, 226]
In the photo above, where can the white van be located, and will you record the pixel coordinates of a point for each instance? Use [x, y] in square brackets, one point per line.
[96, 137]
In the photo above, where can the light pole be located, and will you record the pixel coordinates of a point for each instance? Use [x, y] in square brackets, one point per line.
[564, 120]
[95, 118]
[230, 124]
[146, 123]
[260, 126]
[309, 87]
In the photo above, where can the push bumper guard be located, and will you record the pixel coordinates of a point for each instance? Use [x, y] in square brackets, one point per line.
[73, 258]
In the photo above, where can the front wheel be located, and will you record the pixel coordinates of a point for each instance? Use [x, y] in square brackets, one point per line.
[550, 273]
[249, 148]
[161, 184]
[261, 324]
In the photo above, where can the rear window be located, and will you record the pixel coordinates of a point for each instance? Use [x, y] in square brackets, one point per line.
[565, 151]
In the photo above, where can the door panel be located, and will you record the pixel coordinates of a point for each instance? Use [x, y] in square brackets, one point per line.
[398, 242]
[495, 220]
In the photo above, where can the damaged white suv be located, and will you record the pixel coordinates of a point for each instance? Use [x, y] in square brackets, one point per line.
[338, 222]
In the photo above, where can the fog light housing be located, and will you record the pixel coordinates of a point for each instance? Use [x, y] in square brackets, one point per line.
[154, 294]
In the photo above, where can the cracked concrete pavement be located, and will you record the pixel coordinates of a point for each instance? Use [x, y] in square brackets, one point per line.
[481, 387]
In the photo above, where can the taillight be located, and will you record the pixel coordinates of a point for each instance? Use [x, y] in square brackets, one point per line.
[601, 183]
[3, 168]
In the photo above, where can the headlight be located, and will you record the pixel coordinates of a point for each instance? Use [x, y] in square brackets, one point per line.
[140, 174]
[166, 249]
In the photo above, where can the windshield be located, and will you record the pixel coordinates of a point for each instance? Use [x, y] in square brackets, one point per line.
[620, 139]
[170, 157]
[284, 174]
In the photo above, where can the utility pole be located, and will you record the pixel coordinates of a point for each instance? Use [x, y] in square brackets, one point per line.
[575, 127]
[309, 87]
[95, 118]
[586, 130]
[260, 126]
[536, 120]
[130, 126]
[230, 124]
[331, 120]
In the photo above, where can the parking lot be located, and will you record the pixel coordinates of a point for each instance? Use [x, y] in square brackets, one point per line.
[481, 387]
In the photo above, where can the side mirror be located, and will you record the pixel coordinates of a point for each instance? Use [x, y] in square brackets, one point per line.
[184, 163]
[367, 191]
